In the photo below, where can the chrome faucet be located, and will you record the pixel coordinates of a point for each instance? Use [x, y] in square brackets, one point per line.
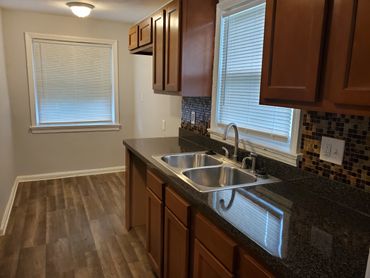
[236, 142]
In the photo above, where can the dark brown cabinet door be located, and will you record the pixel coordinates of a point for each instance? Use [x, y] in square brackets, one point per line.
[173, 49]
[348, 72]
[133, 39]
[176, 247]
[145, 32]
[155, 231]
[206, 265]
[158, 50]
[250, 268]
[292, 50]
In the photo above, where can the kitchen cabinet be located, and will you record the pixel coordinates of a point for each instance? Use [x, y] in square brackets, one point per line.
[292, 49]
[348, 75]
[213, 250]
[182, 48]
[140, 38]
[176, 236]
[250, 268]
[154, 223]
[178, 244]
[316, 57]
[206, 265]
[155, 232]
[135, 205]
[133, 39]
[158, 50]
[172, 49]
[145, 32]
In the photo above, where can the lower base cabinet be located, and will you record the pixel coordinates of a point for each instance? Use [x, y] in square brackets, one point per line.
[176, 247]
[169, 226]
[154, 228]
[206, 265]
[250, 268]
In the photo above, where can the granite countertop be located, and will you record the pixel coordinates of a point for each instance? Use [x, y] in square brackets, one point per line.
[303, 226]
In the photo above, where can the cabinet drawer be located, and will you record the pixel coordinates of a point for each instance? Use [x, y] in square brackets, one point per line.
[145, 32]
[178, 206]
[155, 184]
[249, 267]
[216, 241]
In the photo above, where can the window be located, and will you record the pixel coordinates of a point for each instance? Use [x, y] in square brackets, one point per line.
[72, 83]
[238, 66]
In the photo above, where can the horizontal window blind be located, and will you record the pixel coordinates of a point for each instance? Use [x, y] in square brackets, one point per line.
[240, 64]
[73, 82]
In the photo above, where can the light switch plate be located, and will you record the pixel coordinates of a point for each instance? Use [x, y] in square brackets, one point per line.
[332, 150]
[192, 120]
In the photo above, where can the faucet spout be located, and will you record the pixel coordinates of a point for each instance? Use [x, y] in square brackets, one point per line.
[236, 137]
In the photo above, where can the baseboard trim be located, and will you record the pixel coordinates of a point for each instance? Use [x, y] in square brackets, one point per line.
[8, 208]
[68, 174]
[49, 176]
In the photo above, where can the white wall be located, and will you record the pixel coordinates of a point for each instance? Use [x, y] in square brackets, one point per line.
[7, 167]
[46, 153]
[151, 109]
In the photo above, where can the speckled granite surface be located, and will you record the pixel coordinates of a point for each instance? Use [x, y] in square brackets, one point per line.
[304, 226]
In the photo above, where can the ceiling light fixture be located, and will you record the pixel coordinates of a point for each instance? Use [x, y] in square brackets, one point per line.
[80, 9]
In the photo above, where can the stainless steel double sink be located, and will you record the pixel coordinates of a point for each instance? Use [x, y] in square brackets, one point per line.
[207, 173]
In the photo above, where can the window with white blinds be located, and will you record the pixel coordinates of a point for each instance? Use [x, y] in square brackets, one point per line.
[73, 81]
[239, 75]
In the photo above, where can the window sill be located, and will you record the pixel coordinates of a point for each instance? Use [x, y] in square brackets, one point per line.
[75, 128]
[254, 145]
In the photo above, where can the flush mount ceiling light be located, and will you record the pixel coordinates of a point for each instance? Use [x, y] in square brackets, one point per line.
[80, 9]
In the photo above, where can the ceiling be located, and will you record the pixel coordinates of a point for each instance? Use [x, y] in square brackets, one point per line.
[120, 10]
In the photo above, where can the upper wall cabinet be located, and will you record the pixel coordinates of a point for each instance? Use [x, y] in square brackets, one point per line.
[133, 39]
[145, 32]
[172, 50]
[348, 76]
[183, 45]
[292, 49]
[158, 50]
[316, 55]
[140, 38]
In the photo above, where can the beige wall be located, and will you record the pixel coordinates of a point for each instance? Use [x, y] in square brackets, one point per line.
[7, 171]
[47, 153]
[151, 109]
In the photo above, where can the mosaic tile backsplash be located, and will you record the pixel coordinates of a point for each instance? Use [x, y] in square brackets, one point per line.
[355, 130]
[202, 108]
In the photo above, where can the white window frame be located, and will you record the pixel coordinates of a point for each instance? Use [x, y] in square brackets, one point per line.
[78, 127]
[250, 141]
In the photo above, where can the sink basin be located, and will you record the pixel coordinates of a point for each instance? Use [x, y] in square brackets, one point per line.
[209, 173]
[192, 160]
[219, 176]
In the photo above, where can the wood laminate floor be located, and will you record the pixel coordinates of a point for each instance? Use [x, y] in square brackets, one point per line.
[72, 227]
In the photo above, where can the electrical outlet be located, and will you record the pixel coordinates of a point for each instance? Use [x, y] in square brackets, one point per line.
[192, 121]
[163, 125]
[332, 150]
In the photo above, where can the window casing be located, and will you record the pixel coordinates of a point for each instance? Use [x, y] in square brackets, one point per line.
[73, 83]
[267, 130]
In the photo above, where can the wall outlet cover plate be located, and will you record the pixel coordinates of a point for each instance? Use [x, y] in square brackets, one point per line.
[332, 150]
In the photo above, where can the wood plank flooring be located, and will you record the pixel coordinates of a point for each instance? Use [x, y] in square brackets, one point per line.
[72, 227]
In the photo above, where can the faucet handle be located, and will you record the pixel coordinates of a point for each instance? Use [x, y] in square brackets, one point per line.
[226, 152]
[253, 158]
[244, 162]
